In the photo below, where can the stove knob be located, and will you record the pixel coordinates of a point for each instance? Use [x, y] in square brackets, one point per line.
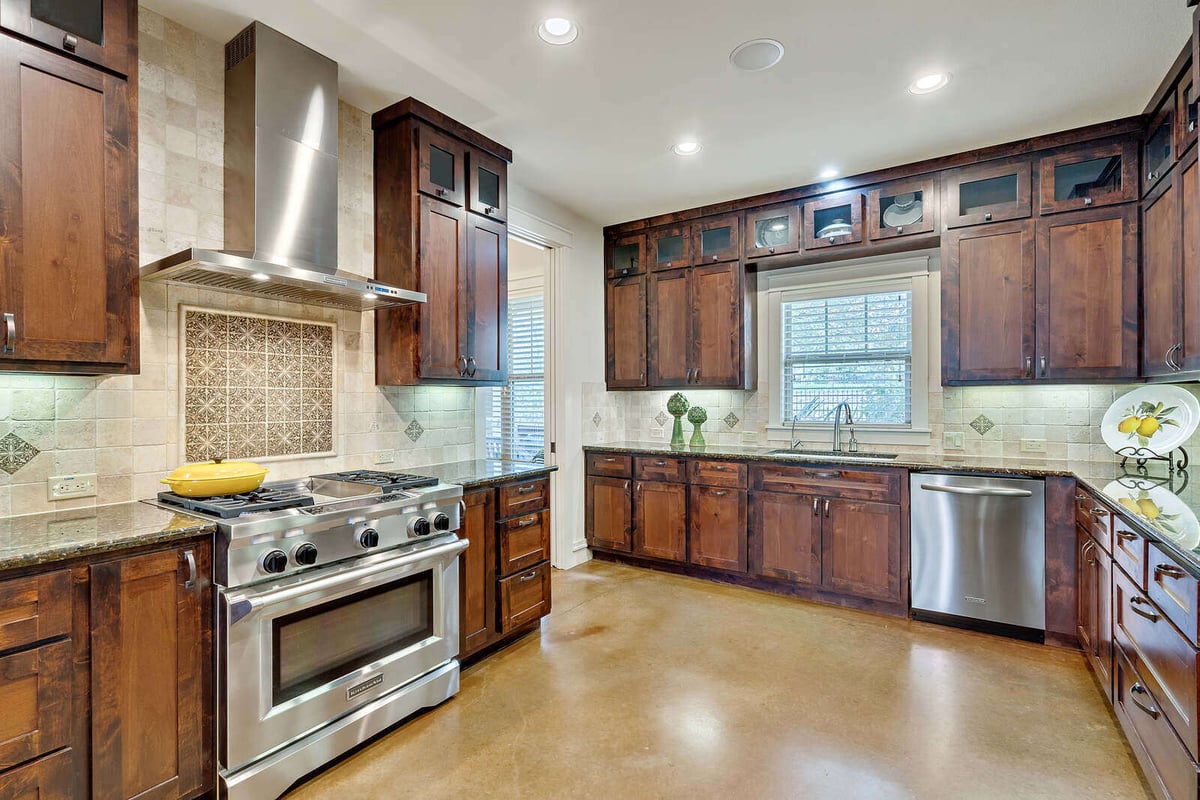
[274, 561]
[305, 554]
[420, 526]
[441, 523]
[369, 538]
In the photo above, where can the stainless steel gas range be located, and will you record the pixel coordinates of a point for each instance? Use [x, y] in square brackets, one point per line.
[337, 617]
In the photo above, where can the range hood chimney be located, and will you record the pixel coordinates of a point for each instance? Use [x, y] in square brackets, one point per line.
[281, 190]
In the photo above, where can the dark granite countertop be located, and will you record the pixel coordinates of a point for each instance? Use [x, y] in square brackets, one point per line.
[483, 472]
[39, 539]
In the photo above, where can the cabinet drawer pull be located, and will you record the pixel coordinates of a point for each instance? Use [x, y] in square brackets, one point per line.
[826, 508]
[70, 42]
[190, 559]
[1028, 366]
[660, 463]
[462, 365]
[471, 364]
[1098, 511]
[1042, 361]
[718, 467]
[1081, 497]
[1169, 570]
[526, 489]
[1126, 536]
[1137, 689]
[816, 505]
[718, 492]
[528, 576]
[525, 523]
[826, 475]
[1134, 606]
[610, 460]
[10, 332]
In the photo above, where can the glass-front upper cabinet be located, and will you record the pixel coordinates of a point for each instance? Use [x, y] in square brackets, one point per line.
[488, 185]
[833, 220]
[987, 192]
[1186, 123]
[625, 255]
[902, 208]
[1159, 152]
[773, 230]
[670, 248]
[96, 31]
[717, 239]
[1093, 175]
[441, 165]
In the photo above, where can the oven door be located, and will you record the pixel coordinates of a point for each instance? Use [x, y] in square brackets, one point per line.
[303, 652]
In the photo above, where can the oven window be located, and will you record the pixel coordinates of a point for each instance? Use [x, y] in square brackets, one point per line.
[323, 643]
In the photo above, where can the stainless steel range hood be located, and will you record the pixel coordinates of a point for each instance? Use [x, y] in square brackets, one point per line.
[281, 203]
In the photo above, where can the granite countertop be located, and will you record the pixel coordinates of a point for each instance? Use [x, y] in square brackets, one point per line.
[483, 472]
[39, 539]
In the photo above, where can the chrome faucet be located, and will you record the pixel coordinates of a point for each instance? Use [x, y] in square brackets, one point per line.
[852, 445]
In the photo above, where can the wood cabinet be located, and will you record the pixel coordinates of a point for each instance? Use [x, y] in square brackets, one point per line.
[625, 255]
[625, 332]
[434, 232]
[1094, 617]
[609, 521]
[861, 549]
[669, 317]
[1162, 278]
[1158, 151]
[992, 191]
[1189, 204]
[717, 239]
[68, 212]
[903, 208]
[716, 527]
[660, 522]
[786, 543]
[670, 247]
[833, 220]
[477, 572]
[774, 230]
[103, 34]
[1186, 115]
[696, 334]
[48, 778]
[1088, 177]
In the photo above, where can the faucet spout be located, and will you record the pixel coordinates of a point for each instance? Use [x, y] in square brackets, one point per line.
[837, 424]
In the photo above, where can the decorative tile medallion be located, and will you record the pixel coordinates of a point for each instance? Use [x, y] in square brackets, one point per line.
[661, 419]
[982, 424]
[731, 419]
[255, 386]
[15, 453]
[414, 430]
[597, 419]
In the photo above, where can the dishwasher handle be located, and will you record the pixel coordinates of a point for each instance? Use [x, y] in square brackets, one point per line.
[978, 492]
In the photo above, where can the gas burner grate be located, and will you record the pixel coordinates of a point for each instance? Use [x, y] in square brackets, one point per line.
[385, 480]
[229, 506]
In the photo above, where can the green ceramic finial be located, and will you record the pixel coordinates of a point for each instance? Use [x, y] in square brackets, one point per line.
[697, 416]
[677, 406]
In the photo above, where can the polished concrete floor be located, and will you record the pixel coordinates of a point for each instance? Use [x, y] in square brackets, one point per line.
[644, 685]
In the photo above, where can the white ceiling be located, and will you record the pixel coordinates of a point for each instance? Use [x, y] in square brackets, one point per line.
[590, 124]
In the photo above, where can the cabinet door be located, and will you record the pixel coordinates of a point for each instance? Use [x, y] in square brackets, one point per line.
[1102, 657]
[902, 208]
[716, 348]
[660, 524]
[477, 573]
[1087, 269]
[1086, 598]
[68, 223]
[101, 32]
[485, 281]
[442, 263]
[785, 537]
[48, 778]
[717, 239]
[990, 192]
[833, 220]
[38, 698]
[441, 165]
[988, 306]
[773, 230]
[1189, 201]
[1162, 277]
[1158, 152]
[625, 332]
[609, 523]
[625, 255]
[1089, 176]
[669, 248]
[487, 186]
[668, 320]
[860, 549]
[1186, 122]
[151, 632]
[717, 528]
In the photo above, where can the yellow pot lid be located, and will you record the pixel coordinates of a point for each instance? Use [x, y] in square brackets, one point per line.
[217, 470]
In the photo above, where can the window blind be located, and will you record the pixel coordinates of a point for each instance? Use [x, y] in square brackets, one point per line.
[854, 348]
[516, 413]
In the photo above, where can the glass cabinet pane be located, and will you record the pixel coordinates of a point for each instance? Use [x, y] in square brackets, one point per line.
[625, 258]
[84, 18]
[669, 250]
[978, 196]
[441, 167]
[901, 210]
[715, 241]
[1158, 148]
[1086, 178]
[775, 231]
[489, 187]
[833, 221]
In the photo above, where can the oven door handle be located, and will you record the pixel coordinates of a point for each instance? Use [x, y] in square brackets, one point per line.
[243, 606]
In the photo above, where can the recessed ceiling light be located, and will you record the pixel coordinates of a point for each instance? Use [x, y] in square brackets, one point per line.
[688, 148]
[829, 172]
[261, 276]
[558, 30]
[756, 55]
[929, 83]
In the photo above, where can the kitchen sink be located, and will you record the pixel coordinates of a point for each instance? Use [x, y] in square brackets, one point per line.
[840, 454]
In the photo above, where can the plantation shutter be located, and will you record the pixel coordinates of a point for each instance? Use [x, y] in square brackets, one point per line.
[516, 416]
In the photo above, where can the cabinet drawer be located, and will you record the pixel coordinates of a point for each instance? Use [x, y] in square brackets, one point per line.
[1165, 661]
[718, 473]
[672, 470]
[36, 694]
[524, 597]
[1129, 551]
[1162, 756]
[523, 498]
[851, 484]
[34, 608]
[1173, 589]
[1094, 518]
[48, 778]
[524, 542]
[610, 465]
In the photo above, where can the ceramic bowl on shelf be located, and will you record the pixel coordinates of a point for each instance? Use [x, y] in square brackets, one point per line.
[1151, 419]
[905, 209]
[839, 227]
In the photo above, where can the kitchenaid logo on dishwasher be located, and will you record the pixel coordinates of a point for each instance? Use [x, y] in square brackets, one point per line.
[355, 691]
[980, 600]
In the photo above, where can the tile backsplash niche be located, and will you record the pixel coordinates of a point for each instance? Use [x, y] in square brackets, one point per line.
[130, 429]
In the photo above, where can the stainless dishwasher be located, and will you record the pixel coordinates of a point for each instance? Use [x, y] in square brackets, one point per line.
[979, 552]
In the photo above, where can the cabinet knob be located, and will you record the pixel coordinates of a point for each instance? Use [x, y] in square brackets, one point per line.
[832, 239]
[489, 210]
[987, 216]
[441, 192]
[899, 229]
[715, 258]
[1087, 201]
[1151, 176]
[1191, 125]
[770, 249]
[70, 43]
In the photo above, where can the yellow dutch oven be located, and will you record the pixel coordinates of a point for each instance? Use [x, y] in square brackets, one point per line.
[216, 477]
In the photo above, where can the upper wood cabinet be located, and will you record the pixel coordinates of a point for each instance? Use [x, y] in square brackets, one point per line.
[625, 332]
[100, 32]
[669, 248]
[1186, 121]
[993, 191]
[1162, 279]
[431, 237]
[68, 213]
[1158, 152]
[695, 320]
[716, 239]
[773, 230]
[1091, 176]
[1189, 204]
[834, 219]
[669, 318]
[625, 255]
[903, 208]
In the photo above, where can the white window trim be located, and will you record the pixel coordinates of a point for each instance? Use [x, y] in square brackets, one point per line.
[887, 274]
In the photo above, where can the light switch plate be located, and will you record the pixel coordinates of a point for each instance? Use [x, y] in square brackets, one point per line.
[69, 487]
[385, 456]
[952, 440]
[1033, 445]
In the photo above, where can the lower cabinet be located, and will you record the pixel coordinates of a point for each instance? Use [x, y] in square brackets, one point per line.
[660, 523]
[47, 778]
[860, 549]
[787, 540]
[477, 572]
[1094, 597]
[609, 513]
[717, 527]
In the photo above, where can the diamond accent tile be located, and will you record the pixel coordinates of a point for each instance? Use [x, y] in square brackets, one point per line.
[661, 419]
[15, 453]
[414, 430]
[982, 424]
[597, 419]
[731, 419]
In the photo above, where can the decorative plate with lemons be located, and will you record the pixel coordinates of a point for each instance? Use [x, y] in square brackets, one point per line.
[1156, 418]
[1161, 510]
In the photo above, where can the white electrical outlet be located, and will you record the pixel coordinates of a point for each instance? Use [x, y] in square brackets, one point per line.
[656, 433]
[385, 456]
[952, 440]
[749, 437]
[1033, 445]
[69, 487]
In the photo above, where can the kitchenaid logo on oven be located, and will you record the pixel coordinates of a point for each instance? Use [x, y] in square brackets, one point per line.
[370, 683]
